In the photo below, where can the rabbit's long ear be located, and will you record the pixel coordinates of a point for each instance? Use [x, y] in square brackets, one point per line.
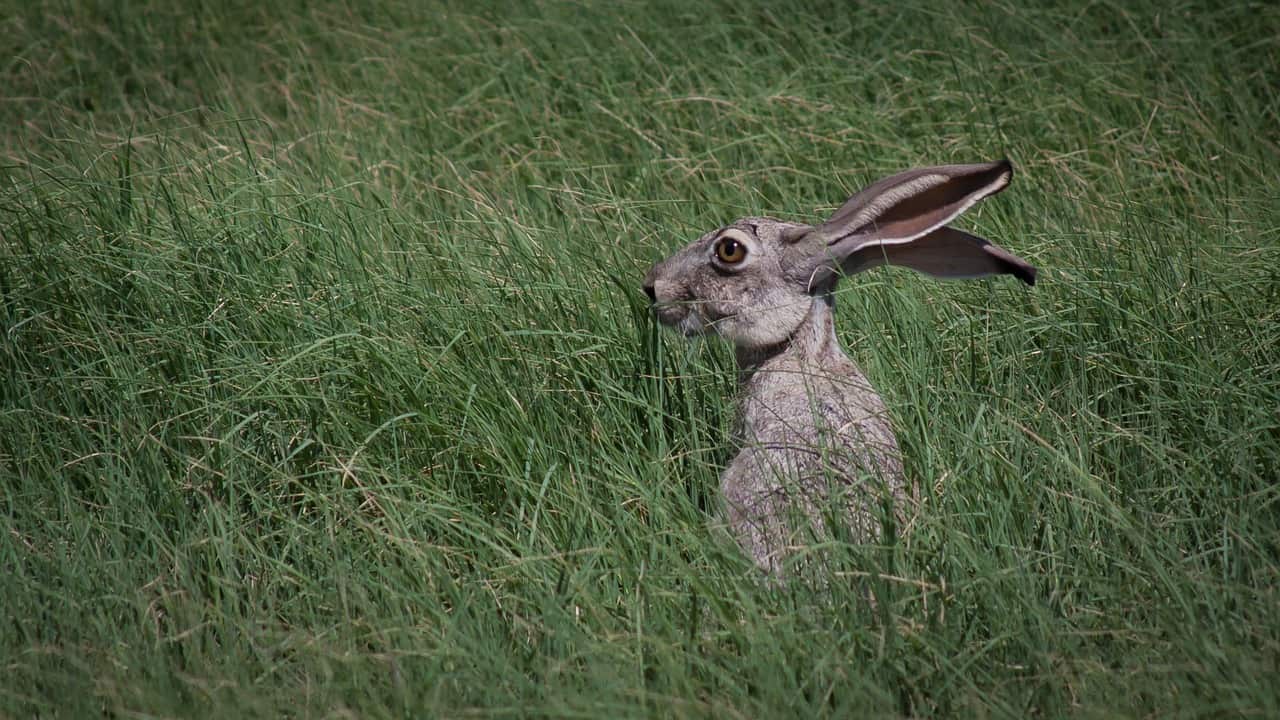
[945, 253]
[903, 207]
[901, 220]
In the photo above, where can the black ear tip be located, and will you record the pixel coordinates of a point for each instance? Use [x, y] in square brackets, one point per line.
[1024, 271]
[1000, 173]
[1006, 168]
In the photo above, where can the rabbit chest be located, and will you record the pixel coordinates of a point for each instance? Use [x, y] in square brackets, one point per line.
[815, 419]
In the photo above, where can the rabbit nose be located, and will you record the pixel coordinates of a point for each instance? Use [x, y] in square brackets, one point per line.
[648, 290]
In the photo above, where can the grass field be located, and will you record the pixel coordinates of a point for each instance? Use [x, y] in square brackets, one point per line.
[327, 387]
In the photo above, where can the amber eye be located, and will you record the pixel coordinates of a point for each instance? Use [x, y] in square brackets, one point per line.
[730, 251]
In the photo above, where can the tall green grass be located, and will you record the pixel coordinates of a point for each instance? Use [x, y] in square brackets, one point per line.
[328, 388]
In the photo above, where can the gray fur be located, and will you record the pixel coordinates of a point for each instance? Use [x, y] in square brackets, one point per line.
[814, 440]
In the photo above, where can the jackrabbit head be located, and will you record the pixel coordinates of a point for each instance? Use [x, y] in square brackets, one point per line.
[753, 281]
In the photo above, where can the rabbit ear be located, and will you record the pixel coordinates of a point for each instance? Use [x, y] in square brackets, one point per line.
[903, 207]
[944, 253]
[901, 220]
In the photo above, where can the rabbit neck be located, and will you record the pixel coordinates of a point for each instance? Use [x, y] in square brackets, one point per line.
[813, 344]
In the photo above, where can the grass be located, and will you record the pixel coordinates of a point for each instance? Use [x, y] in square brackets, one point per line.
[329, 388]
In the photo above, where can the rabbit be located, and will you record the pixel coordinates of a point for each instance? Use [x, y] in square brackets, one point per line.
[812, 436]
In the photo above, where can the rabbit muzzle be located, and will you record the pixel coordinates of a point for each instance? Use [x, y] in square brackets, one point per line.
[679, 314]
[672, 303]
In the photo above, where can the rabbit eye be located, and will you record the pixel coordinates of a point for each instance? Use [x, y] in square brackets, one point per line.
[730, 251]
